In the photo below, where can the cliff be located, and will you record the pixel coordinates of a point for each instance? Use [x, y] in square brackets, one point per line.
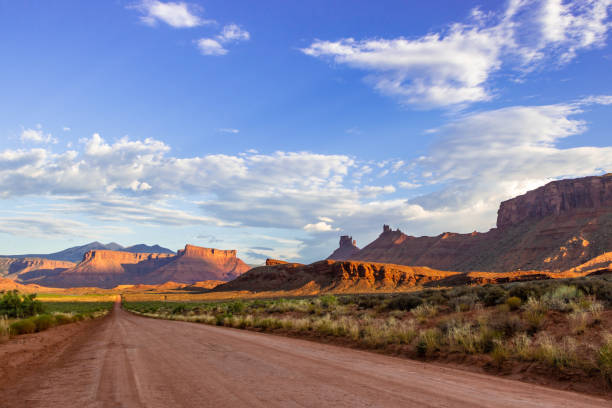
[30, 268]
[366, 277]
[346, 250]
[107, 269]
[553, 228]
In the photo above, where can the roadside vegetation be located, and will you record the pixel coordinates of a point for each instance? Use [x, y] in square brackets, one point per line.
[561, 328]
[24, 313]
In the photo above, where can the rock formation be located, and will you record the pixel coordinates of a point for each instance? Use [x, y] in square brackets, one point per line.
[553, 228]
[107, 269]
[365, 277]
[346, 250]
[31, 268]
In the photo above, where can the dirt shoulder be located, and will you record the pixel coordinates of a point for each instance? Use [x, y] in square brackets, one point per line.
[24, 354]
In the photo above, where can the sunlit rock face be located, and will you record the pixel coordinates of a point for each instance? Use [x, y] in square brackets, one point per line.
[346, 250]
[553, 228]
[107, 269]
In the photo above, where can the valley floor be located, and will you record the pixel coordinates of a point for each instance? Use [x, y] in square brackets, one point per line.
[130, 361]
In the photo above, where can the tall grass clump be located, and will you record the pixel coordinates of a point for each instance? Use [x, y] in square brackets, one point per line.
[5, 332]
[604, 358]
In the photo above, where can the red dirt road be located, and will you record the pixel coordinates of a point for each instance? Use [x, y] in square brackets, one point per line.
[131, 361]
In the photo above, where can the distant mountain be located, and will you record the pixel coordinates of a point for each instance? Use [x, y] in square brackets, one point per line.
[147, 249]
[107, 269]
[76, 254]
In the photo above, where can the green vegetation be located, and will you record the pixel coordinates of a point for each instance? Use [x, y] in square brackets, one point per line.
[24, 314]
[13, 304]
[558, 324]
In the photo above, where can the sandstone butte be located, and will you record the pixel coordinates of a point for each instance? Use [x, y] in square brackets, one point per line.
[556, 227]
[329, 276]
[108, 269]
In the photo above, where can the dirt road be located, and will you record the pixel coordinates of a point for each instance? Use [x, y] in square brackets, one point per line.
[131, 361]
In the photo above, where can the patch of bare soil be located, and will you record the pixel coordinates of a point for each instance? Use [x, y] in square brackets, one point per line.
[25, 354]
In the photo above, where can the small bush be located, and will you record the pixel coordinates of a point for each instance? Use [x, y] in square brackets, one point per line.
[604, 358]
[43, 322]
[425, 311]
[428, 342]
[534, 314]
[404, 302]
[328, 301]
[493, 295]
[23, 326]
[514, 303]
[562, 298]
[63, 318]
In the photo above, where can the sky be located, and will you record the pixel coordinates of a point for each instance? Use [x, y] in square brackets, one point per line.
[274, 127]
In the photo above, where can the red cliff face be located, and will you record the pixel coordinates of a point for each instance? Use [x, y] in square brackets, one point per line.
[106, 269]
[555, 227]
[583, 195]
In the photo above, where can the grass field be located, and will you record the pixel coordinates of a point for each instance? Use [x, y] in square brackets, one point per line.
[560, 328]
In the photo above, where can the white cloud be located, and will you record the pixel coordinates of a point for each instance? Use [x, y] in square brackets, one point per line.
[454, 67]
[208, 46]
[229, 130]
[232, 32]
[320, 226]
[175, 14]
[66, 129]
[37, 136]
[408, 185]
[476, 161]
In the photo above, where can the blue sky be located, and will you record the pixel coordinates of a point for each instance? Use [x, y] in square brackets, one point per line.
[273, 127]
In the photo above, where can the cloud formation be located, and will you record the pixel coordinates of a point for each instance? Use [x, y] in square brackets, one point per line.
[175, 14]
[231, 33]
[454, 67]
[476, 161]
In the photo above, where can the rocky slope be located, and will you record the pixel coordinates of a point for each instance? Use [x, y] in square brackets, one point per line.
[553, 228]
[107, 269]
[365, 277]
[30, 268]
[346, 250]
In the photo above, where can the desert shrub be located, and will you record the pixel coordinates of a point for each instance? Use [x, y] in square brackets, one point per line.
[23, 326]
[236, 307]
[506, 324]
[463, 303]
[328, 301]
[521, 346]
[559, 355]
[493, 295]
[428, 342]
[514, 302]
[578, 321]
[63, 318]
[524, 291]
[562, 298]
[463, 338]
[13, 304]
[534, 313]
[404, 302]
[500, 353]
[179, 309]
[43, 322]
[604, 358]
[425, 311]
